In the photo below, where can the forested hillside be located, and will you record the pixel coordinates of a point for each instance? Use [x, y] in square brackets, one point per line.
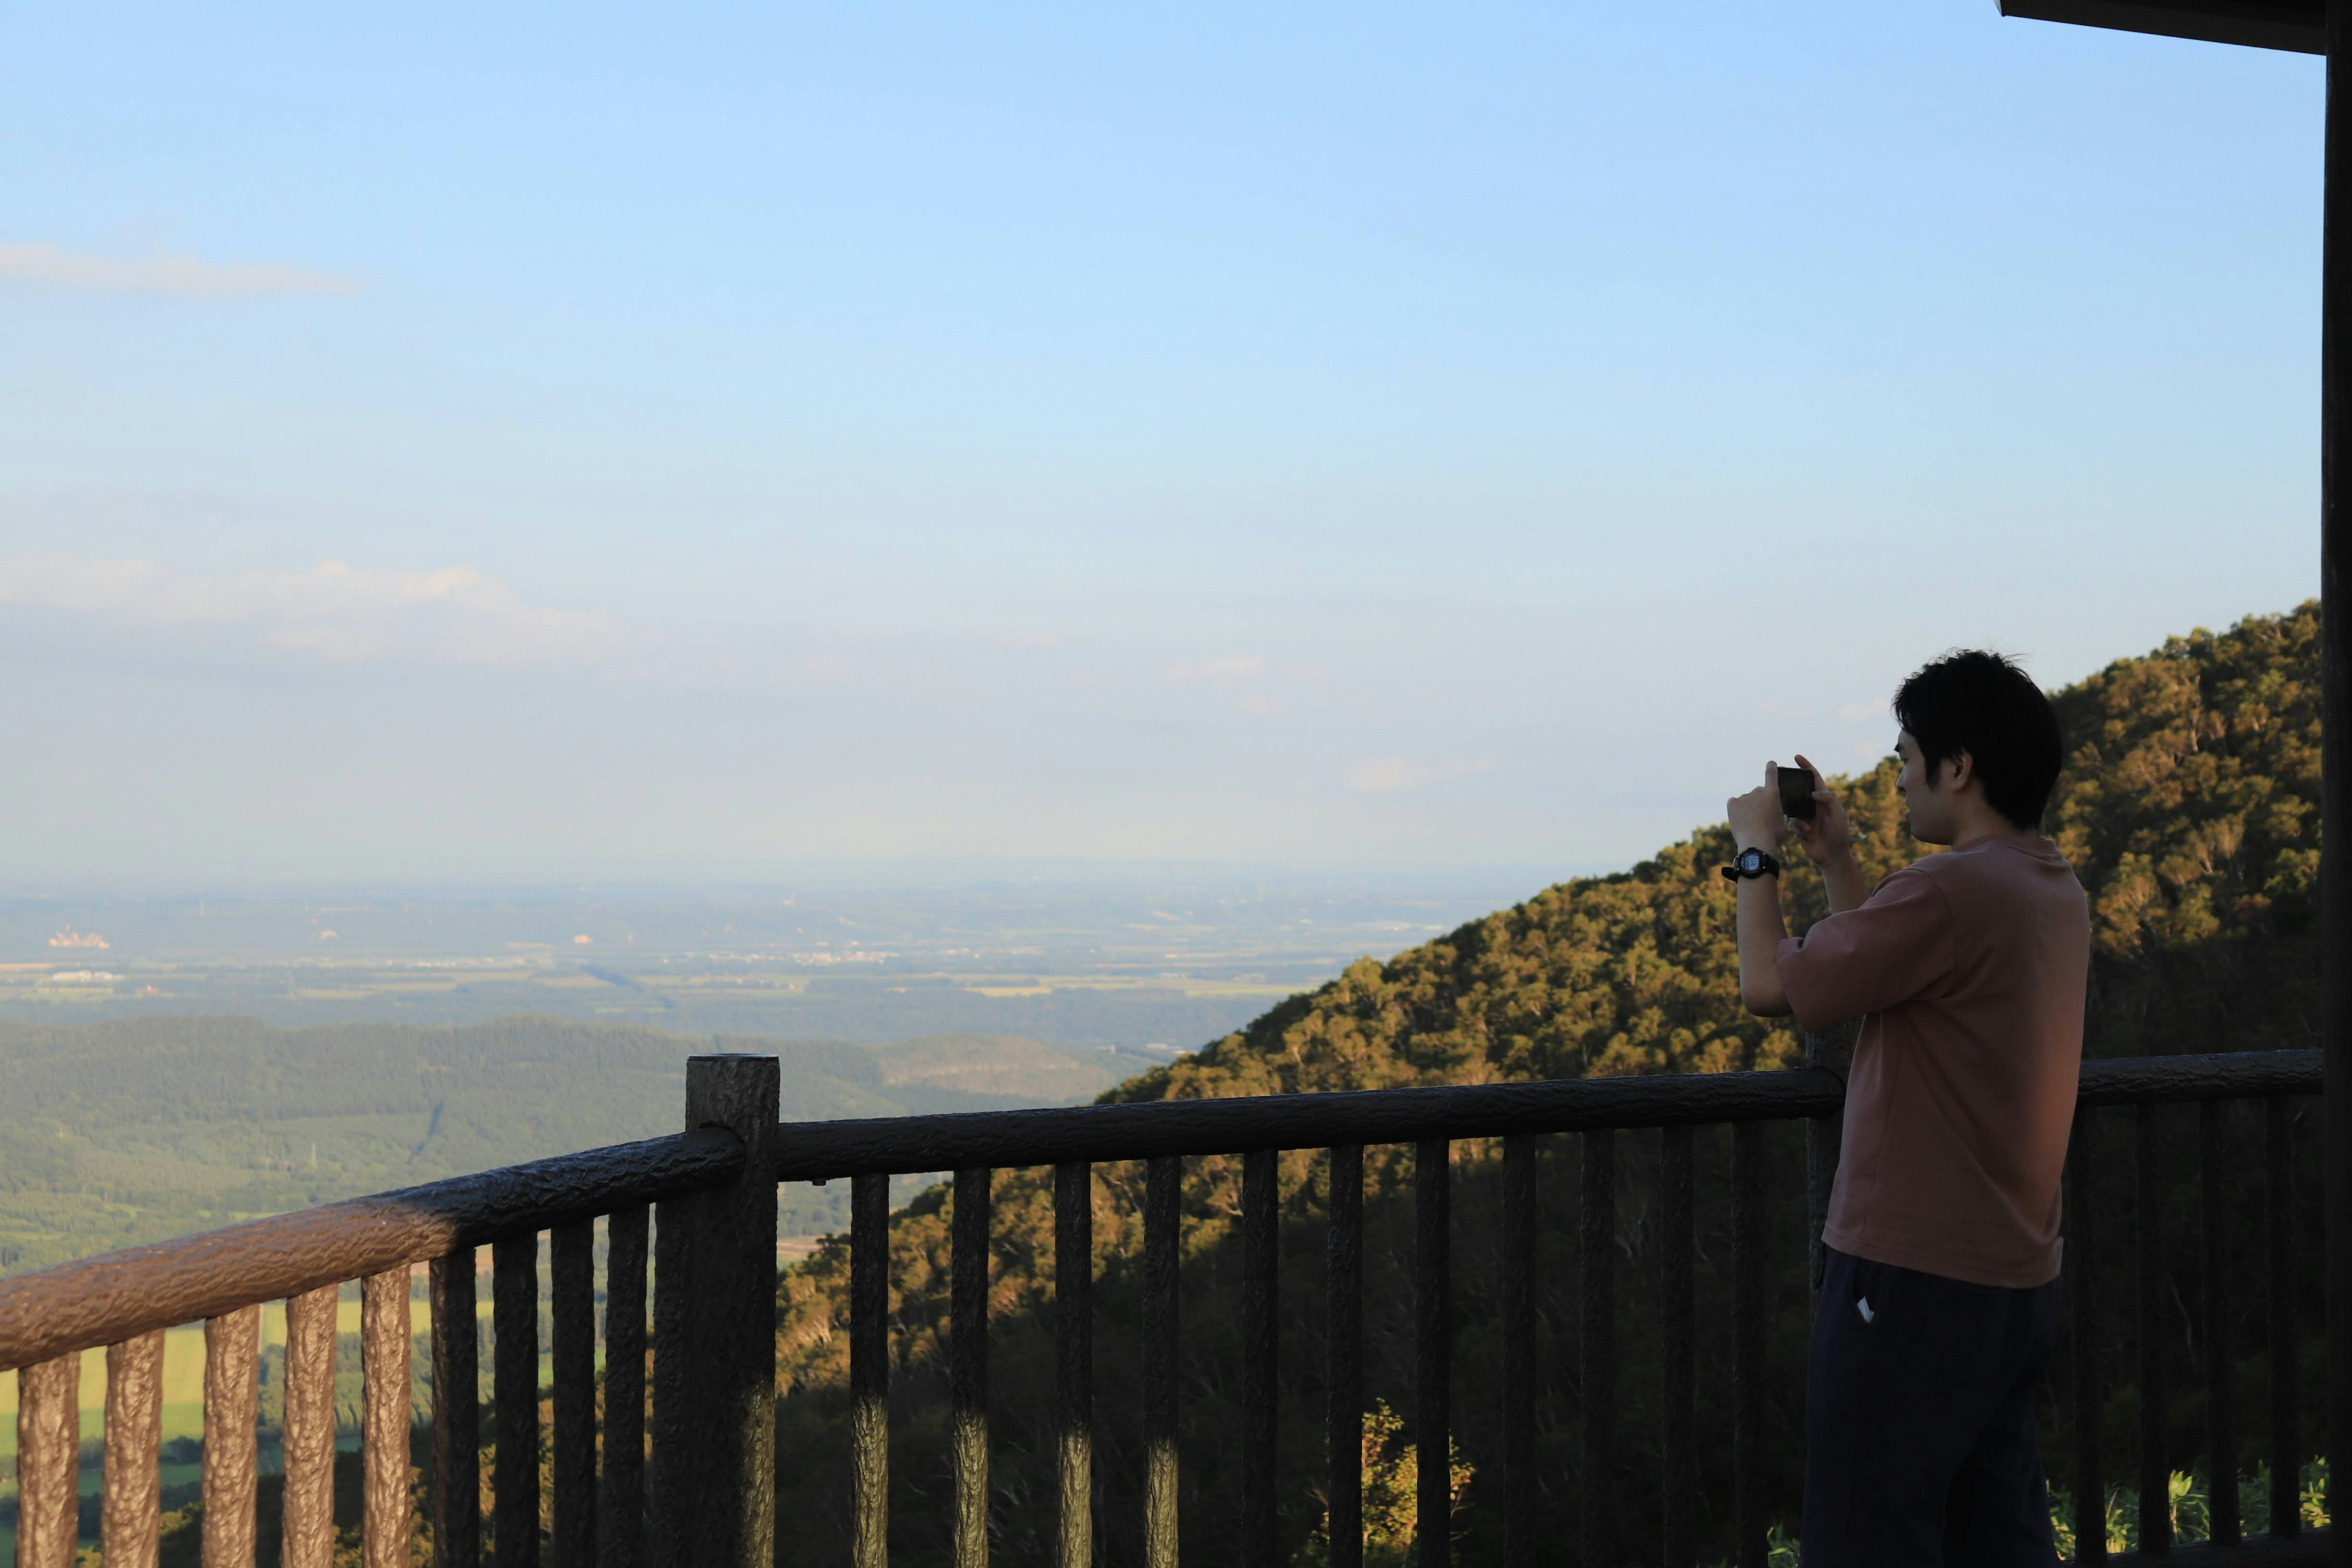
[2188, 805]
[125, 1132]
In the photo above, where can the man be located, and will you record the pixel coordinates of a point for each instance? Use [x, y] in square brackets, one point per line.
[1939, 1299]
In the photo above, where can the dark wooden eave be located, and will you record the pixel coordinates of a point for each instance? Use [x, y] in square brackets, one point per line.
[2297, 25]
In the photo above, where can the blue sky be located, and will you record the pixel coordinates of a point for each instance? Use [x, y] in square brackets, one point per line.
[571, 443]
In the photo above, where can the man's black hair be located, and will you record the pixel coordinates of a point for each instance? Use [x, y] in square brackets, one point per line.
[1980, 703]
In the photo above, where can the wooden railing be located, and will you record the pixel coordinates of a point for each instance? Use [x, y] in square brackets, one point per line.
[709, 1499]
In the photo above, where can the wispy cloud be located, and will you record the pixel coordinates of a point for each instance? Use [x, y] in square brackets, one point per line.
[188, 277]
[342, 614]
[1392, 775]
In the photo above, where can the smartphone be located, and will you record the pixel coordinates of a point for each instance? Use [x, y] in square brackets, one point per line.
[1797, 787]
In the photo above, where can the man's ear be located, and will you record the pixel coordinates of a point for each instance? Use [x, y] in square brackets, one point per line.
[1963, 771]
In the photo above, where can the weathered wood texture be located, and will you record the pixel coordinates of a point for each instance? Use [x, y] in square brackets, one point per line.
[572, 1289]
[2222, 1525]
[1343, 1410]
[384, 1419]
[714, 1349]
[869, 1371]
[130, 1516]
[98, 1301]
[456, 1415]
[1074, 1360]
[1596, 1260]
[1747, 1521]
[514, 1402]
[968, 1364]
[1433, 1301]
[1261, 1353]
[2155, 1303]
[1161, 1182]
[621, 1485]
[2081, 1274]
[306, 1527]
[49, 1454]
[1678, 1332]
[669, 1478]
[2278, 1248]
[231, 1469]
[812, 1151]
[1522, 1545]
[817, 1150]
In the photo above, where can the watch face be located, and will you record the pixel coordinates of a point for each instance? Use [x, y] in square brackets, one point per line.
[1751, 860]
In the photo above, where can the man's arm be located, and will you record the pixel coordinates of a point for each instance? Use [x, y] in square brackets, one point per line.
[1756, 823]
[1760, 931]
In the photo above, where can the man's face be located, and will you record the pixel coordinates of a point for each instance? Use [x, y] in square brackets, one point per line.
[1931, 806]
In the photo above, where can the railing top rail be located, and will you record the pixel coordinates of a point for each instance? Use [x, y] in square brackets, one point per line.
[109, 1297]
[105, 1300]
[821, 1151]
[2222, 1075]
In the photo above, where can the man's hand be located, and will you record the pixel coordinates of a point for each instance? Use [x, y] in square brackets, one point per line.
[1828, 840]
[1826, 836]
[1756, 820]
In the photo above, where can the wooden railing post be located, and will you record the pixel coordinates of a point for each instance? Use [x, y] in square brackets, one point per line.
[714, 1335]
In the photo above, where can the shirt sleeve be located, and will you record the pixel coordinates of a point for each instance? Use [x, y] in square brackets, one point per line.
[1891, 949]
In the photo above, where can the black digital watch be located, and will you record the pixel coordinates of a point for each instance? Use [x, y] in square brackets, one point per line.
[1750, 863]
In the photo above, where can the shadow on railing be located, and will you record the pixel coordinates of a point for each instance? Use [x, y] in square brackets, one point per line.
[710, 1495]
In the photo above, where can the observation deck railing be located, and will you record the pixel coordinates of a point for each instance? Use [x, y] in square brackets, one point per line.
[709, 1497]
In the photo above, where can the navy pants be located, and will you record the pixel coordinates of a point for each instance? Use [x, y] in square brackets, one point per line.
[1919, 1406]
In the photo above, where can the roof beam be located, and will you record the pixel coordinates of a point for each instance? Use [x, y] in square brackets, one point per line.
[2297, 25]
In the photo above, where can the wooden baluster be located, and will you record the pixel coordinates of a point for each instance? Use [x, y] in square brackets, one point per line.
[1596, 1264]
[514, 1401]
[676, 1440]
[1432, 1272]
[308, 1534]
[621, 1489]
[2278, 1248]
[1343, 1411]
[1678, 1339]
[130, 1517]
[456, 1414]
[384, 1331]
[1261, 1353]
[2081, 1278]
[1161, 1213]
[232, 1402]
[1748, 1309]
[49, 1462]
[1522, 1548]
[1074, 1358]
[869, 1370]
[967, 1365]
[2220, 1404]
[572, 1285]
[2155, 1463]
